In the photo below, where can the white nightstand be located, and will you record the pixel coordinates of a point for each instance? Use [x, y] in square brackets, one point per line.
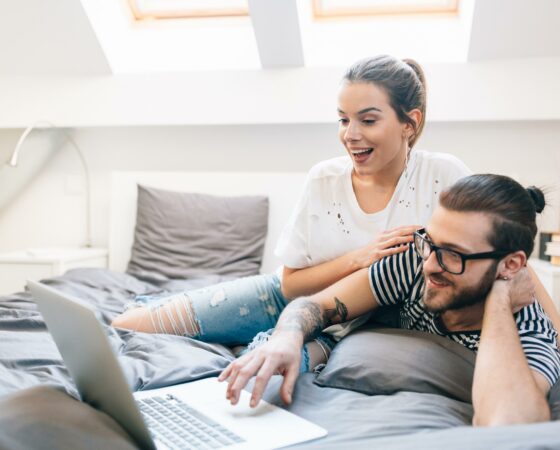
[550, 278]
[35, 264]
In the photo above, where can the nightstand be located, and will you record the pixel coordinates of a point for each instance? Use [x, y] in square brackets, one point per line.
[550, 278]
[35, 264]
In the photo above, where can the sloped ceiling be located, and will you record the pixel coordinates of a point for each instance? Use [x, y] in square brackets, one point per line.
[40, 37]
[504, 29]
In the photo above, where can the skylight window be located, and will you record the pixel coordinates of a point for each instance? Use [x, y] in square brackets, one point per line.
[339, 32]
[187, 9]
[344, 8]
[144, 46]
[225, 35]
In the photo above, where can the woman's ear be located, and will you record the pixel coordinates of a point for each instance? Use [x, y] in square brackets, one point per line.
[416, 116]
[511, 264]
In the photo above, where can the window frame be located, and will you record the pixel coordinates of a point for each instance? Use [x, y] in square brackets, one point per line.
[320, 12]
[185, 13]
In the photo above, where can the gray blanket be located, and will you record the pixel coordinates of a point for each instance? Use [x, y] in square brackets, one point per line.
[38, 407]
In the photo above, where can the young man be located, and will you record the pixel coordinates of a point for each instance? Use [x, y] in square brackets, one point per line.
[465, 278]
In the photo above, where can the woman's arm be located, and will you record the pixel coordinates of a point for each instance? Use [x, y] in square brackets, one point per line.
[308, 281]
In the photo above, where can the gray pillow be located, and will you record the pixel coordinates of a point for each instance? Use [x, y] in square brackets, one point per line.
[43, 417]
[384, 361]
[187, 235]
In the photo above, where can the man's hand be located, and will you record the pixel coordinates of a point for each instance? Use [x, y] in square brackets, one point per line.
[500, 355]
[301, 321]
[517, 292]
[389, 242]
[280, 355]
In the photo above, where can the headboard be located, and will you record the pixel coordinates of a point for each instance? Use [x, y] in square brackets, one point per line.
[282, 188]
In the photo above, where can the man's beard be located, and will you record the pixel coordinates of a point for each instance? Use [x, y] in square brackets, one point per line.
[465, 297]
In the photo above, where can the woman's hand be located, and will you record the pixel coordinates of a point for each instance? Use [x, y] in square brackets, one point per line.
[389, 242]
[310, 280]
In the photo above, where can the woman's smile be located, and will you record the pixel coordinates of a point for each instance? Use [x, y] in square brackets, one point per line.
[361, 155]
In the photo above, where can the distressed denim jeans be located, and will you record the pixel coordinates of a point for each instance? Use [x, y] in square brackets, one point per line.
[233, 312]
[239, 312]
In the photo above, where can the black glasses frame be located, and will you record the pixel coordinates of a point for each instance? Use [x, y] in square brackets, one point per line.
[420, 234]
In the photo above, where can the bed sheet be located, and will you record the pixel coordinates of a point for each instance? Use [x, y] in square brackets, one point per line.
[31, 371]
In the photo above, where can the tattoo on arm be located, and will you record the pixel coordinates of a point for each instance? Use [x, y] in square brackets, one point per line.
[337, 314]
[307, 317]
[304, 316]
[340, 310]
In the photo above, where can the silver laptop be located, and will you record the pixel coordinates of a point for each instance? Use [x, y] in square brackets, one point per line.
[193, 415]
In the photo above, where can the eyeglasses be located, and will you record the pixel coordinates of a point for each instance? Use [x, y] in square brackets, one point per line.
[449, 260]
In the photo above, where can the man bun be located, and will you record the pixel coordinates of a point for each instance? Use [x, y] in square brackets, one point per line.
[538, 198]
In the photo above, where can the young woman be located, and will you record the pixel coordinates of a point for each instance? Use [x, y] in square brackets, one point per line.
[353, 211]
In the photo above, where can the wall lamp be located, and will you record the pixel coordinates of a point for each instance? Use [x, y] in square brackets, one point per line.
[47, 125]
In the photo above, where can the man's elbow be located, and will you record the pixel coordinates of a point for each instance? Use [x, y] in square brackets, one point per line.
[506, 417]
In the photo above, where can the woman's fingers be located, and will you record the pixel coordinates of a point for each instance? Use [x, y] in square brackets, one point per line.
[401, 231]
[399, 240]
[392, 251]
[404, 230]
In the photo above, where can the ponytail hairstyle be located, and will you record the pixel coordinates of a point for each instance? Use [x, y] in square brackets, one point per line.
[512, 207]
[404, 82]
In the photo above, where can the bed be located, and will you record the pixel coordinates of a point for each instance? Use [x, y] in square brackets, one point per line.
[381, 388]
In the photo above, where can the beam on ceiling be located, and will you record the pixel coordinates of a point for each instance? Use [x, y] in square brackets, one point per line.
[277, 31]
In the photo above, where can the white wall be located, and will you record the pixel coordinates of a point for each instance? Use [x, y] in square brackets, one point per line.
[513, 89]
[39, 37]
[526, 151]
[50, 211]
[502, 29]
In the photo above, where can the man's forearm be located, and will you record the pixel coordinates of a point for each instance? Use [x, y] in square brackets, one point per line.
[308, 318]
[502, 375]
[304, 318]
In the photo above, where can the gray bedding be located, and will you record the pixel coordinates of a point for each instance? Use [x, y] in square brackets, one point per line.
[38, 410]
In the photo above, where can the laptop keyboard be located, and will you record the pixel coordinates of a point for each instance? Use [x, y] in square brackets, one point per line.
[178, 426]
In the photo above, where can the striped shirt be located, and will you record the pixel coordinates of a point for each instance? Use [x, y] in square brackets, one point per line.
[398, 280]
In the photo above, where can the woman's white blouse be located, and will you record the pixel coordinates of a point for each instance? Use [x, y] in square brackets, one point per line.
[328, 221]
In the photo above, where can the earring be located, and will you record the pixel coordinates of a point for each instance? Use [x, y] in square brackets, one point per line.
[406, 162]
[504, 278]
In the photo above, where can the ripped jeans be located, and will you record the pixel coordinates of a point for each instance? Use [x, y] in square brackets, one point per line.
[238, 312]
